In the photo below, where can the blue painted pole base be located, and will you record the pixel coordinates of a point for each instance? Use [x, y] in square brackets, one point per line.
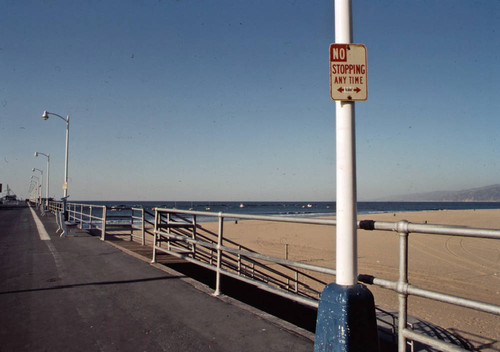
[346, 320]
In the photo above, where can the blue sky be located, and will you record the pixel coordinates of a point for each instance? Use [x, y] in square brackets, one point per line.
[229, 100]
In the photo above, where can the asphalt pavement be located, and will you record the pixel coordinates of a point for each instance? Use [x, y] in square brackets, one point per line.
[79, 293]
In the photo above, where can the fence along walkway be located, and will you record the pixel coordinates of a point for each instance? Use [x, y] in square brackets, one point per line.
[177, 233]
[180, 236]
[90, 217]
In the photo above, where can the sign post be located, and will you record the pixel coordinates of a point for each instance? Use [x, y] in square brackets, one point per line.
[346, 312]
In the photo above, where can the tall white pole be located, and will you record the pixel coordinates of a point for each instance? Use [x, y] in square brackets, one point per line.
[48, 177]
[346, 253]
[40, 185]
[48, 183]
[36, 190]
[346, 318]
[40, 189]
[65, 190]
[66, 158]
[33, 189]
[45, 116]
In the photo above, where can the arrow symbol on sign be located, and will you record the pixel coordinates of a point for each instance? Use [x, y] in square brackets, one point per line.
[357, 90]
[340, 89]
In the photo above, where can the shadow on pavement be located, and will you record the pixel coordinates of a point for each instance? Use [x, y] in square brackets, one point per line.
[59, 287]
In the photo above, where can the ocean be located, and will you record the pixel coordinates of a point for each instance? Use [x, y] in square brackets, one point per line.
[299, 208]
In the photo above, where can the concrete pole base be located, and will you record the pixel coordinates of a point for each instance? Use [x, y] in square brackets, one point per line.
[346, 320]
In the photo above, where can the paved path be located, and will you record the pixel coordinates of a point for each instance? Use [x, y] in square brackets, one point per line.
[82, 294]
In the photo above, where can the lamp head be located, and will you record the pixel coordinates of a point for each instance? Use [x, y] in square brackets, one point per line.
[33, 169]
[36, 154]
[45, 115]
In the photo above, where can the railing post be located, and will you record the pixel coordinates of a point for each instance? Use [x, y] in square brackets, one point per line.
[90, 217]
[219, 255]
[58, 221]
[63, 225]
[402, 228]
[296, 281]
[168, 230]
[286, 257]
[155, 236]
[239, 260]
[81, 217]
[194, 237]
[103, 228]
[131, 225]
[143, 231]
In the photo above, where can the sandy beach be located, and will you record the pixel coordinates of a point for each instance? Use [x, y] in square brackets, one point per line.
[466, 267]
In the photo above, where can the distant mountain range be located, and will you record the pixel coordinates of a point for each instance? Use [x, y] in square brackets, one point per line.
[482, 194]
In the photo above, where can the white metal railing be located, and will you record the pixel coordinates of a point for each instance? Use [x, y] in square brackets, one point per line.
[188, 239]
[193, 242]
[183, 239]
[140, 222]
[55, 206]
[91, 216]
[404, 289]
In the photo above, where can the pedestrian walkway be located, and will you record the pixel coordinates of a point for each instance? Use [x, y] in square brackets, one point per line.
[81, 294]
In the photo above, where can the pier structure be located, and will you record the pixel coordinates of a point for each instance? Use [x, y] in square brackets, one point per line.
[181, 246]
[82, 294]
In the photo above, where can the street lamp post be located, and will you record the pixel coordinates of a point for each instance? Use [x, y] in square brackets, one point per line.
[40, 185]
[48, 173]
[33, 187]
[45, 116]
[37, 183]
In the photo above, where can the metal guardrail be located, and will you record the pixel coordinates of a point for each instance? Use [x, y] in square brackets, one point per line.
[84, 214]
[140, 222]
[187, 239]
[55, 206]
[91, 216]
[404, 289]
[183, 239]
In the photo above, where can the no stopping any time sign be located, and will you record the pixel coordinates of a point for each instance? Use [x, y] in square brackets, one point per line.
[348, 72]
